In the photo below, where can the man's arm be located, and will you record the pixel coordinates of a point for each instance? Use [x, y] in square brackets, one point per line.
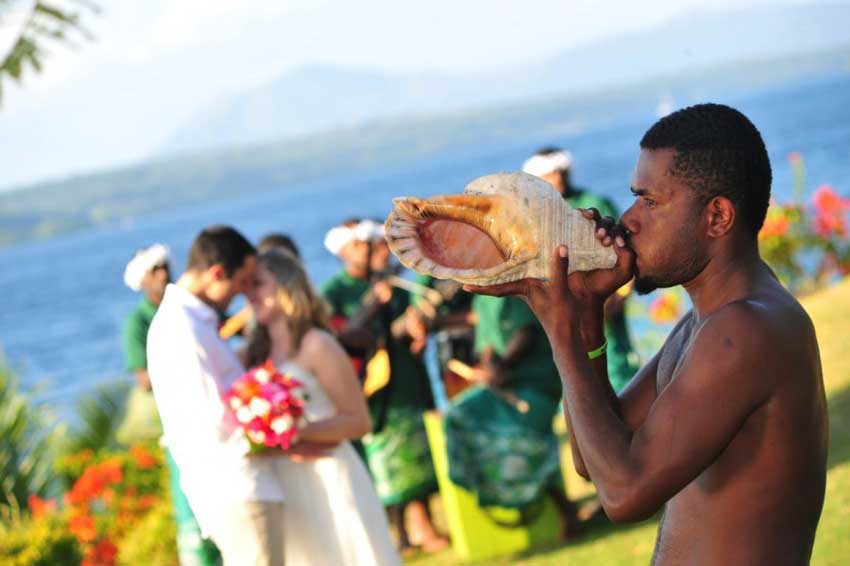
[724, 378]
[633, 403]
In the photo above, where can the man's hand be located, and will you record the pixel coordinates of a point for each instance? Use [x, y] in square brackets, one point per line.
[581, 292]
[383, 292]
[416, 328]
[489, 371]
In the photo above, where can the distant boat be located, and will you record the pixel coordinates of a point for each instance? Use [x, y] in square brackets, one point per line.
[665, 106]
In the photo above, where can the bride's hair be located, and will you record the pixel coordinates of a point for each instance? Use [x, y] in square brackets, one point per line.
[302, 306]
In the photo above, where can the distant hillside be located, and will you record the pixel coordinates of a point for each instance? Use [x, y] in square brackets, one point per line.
[52, 208]
[320, 98]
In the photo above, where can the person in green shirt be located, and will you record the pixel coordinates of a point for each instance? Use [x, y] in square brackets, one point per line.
[499, 436]
[554, 166]
[364, 308]
[148, 273]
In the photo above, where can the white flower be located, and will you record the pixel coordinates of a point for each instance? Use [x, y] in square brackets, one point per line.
[235, 403]
[262, 375]
[257, 436]
[244, 415]
[281, 424]
[260, 407]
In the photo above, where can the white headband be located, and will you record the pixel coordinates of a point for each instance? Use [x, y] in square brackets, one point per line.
[539, 165]
[144, 261]
[364, 231]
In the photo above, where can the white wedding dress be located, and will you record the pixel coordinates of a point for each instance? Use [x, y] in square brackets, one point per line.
[332, 514]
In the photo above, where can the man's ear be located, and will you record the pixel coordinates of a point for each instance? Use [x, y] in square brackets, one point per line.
[217, 272]
[720, 214]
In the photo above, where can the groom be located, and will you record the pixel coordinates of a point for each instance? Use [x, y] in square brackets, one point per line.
[235, 497]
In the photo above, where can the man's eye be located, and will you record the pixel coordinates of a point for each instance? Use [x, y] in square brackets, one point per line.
[649, 202]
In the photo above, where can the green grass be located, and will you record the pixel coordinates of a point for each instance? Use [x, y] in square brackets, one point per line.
[606, 544]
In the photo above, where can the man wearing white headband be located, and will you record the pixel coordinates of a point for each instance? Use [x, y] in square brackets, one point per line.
[149, 272]
[363, 307]
[554, 166]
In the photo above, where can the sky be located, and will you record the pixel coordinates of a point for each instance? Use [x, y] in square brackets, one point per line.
[155, 63]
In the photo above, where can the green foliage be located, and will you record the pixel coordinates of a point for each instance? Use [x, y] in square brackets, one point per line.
[152, 540]
[25, 447]
[48, 23]
[45, 541]
[100, 416]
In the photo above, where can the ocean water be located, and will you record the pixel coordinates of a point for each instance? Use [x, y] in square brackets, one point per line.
[65, 302]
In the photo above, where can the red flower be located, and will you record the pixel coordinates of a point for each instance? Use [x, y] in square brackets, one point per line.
[101, 554]
[828, 202]
[39, 506]
[830, 209]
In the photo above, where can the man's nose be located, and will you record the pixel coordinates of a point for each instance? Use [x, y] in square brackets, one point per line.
[629, 221]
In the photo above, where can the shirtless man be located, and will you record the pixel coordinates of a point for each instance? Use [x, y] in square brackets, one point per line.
[726, 427]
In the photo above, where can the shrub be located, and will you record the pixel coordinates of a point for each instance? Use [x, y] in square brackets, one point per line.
[152, 540]
[39, 541]
[25, 447]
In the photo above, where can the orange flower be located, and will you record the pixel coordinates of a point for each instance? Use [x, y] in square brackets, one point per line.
[147, 501]
[795, 157]
[666, 308]
[143, 458]
[774, 225]
[39, 506]
[82, 527]
[111, 470]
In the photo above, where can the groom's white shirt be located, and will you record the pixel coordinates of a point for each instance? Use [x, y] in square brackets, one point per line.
[190, 367]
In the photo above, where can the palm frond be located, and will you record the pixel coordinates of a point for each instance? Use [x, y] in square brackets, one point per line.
[100, 414]
[25, 446]
[48, 22]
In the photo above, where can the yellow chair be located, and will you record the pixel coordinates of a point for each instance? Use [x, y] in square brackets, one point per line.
[477, 534]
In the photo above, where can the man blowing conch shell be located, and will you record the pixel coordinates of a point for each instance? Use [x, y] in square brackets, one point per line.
[725, 428]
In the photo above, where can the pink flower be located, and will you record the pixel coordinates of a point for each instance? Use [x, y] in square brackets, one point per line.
[795, 157]
[830, 210]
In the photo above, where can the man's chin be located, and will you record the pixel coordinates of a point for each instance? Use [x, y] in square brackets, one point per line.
[645, 285]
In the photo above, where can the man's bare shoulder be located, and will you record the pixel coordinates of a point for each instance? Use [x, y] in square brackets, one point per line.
[767, 333]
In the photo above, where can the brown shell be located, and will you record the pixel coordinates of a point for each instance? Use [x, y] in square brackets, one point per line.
[503, 228]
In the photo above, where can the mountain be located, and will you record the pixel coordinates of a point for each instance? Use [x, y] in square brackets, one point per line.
[321, 98]
[48, 209]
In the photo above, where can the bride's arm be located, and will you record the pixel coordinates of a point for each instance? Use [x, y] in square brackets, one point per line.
[322, 355]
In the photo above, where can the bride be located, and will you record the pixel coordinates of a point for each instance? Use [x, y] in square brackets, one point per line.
[332, 514]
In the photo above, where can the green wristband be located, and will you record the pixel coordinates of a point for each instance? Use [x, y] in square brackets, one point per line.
[598, 352]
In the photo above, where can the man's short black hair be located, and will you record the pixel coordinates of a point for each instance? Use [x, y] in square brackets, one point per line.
[278, 240]
[221, 245]
[719, 152]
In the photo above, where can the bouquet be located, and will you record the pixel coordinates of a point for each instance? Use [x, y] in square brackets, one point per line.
[268, 405]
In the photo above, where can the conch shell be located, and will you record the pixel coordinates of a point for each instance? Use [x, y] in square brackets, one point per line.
[503, 228]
